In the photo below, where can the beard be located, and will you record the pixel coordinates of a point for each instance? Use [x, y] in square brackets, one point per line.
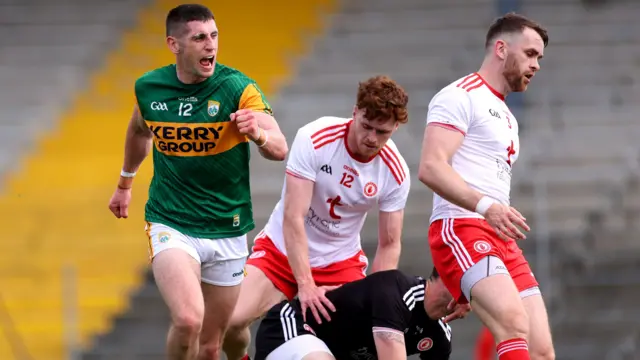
[513, 75]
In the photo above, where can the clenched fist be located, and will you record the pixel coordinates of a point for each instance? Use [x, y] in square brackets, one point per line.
[247, 123]
[119, 203]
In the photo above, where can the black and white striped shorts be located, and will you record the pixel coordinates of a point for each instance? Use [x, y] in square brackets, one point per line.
[281, 325]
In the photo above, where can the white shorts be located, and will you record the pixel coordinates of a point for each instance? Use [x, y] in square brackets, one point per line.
[298, 347]
[222, 260]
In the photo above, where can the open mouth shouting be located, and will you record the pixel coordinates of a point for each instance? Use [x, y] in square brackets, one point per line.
[207, 62]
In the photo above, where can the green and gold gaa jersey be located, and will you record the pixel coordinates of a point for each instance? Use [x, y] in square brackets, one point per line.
[200, 182]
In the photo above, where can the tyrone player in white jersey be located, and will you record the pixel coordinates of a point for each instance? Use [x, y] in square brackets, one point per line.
[470, 144]
[338, 169]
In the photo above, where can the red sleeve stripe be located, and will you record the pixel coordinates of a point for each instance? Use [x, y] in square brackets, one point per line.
[395, 160]
[470, 82]
[392, 168]
[475, 86]
[447, 126]
[329, 138]
[289, 172]
[464, 81]
[322, 132]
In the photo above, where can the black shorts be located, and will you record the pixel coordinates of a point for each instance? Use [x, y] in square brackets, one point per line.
[281, 324]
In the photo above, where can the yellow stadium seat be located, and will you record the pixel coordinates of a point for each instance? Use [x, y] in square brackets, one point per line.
[54, 214]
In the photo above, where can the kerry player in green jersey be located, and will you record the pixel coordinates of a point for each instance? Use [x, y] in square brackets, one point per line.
[200, 118]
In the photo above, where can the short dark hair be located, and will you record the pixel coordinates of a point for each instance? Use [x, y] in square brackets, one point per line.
[434, 274]
[182, 14]
[513, 23]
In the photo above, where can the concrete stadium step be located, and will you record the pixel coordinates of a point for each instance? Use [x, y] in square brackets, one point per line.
[558, 75]
[603, 174]
[594, 32]
[574, 117]
[564, 204]
[65, 12]
[592, 53]
[378, 5]
[580, 349]
[358, 41]
[606, 332]
[598, 95]
[59, 35]
[31, 55]
[555, 190]
[351, 64]
[569, 13]
[424, 18]
[612, 269]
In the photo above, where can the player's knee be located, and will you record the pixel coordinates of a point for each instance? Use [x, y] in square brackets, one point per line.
[542, 352]
[512, 323]
[236, 343]
[237, 334]
[210, 351]
[239, 319]
[187, 324]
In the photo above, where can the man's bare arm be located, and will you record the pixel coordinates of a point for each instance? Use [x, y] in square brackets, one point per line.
[438, 147]
[389, 240]
[297, 200]
[389, 344]
[137, 146]
[276, 144]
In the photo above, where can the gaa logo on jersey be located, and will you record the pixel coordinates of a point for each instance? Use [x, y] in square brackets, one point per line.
[370, 189]
[425, 344]
[482, 246]
[213, 107]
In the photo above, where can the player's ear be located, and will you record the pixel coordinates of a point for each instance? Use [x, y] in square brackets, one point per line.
[355, 109]
[173, 44]
[501, 49]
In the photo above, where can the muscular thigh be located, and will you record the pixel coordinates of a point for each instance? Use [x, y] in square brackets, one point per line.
[257, 296]
[177, 276]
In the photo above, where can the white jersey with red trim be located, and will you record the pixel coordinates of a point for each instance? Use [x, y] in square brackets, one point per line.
[344, 189]
[490, 146]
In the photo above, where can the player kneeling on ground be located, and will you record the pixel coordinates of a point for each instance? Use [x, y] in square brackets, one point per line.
[387, 315]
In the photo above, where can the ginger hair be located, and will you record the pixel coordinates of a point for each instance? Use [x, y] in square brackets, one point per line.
[382, 99]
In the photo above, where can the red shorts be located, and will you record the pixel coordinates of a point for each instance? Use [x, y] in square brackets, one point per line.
[275, 265]
[457, 244]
